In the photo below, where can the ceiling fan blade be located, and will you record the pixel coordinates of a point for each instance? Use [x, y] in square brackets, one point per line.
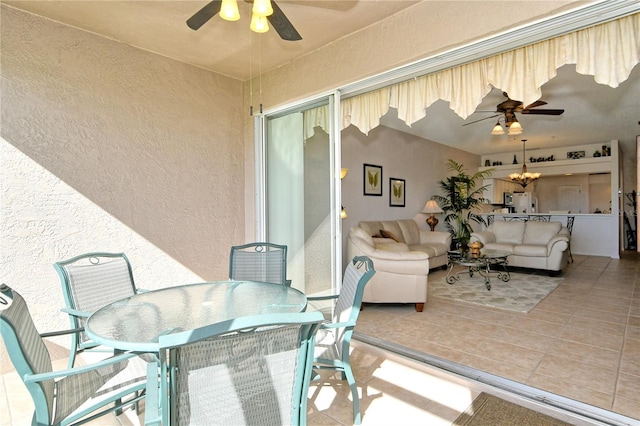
[535, 104]
[543, 111]
[282, 25]
[203, 15]
[482, 119]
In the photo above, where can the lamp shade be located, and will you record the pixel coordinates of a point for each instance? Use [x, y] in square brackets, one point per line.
[515, 128]
[497, 129]
[229, 10]
[432, 207]
[259, 24]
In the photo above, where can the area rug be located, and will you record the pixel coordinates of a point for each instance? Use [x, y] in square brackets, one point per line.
[521, 294]
[488, 410]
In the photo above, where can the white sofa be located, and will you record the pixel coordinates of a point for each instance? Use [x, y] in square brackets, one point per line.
[532, 244]
[402, 269]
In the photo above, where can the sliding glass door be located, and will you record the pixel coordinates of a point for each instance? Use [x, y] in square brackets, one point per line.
[297, 206]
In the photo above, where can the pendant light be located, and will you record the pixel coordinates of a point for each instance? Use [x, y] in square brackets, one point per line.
[525, 178]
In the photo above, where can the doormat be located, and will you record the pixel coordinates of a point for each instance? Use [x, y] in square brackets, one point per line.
[521, 293]
[488, 410]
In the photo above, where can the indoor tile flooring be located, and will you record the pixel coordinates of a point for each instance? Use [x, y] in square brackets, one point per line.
[582, 342]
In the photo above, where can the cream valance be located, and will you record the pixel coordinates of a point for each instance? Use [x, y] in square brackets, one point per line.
[607, 51]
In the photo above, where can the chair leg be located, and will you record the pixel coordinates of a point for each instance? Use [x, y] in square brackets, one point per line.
[354, 394]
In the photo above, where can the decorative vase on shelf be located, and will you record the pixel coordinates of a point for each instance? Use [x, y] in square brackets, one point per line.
[514, 159]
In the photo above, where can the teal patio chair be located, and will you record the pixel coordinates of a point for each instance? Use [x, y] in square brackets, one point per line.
[250, 370]
[89, 282]
[264, 262]
[334, 337]
[71, 396]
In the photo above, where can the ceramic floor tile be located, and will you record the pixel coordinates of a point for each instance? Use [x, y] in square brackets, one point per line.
[585, 353]
[628, 387]
[602, 339]
[581, 374]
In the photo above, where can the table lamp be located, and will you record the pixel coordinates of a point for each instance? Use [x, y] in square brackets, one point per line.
[432, 207]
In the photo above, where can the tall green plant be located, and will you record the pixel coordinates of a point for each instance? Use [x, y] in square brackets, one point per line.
[462, 200]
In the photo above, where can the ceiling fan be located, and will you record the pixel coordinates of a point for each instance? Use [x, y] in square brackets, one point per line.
[278, 19]
[509, 108]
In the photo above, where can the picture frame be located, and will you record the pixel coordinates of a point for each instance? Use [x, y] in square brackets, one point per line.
[372, 180]
[397, 192]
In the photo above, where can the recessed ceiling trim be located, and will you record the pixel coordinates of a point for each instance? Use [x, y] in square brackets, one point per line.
[574, 20]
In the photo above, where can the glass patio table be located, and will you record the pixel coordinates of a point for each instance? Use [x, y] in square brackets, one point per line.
[136, 322]
[478, 263]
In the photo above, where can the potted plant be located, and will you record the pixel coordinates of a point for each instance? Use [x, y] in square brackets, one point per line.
[461, 202]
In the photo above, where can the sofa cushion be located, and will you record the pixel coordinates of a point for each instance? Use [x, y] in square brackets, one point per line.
[393, 227]
[358, 232]
[508, 247]
[531, 250]
[432, 249]
[410, 231]
[390, 246]
[508, 232]
[540, 232]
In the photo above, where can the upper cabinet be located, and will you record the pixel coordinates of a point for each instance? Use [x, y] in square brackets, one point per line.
[496, 187]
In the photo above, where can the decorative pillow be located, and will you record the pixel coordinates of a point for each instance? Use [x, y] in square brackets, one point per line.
[387, 234]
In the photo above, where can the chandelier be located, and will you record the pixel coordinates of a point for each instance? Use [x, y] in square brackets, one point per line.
[524, 178]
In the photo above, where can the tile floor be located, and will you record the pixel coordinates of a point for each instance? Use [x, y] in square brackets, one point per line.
[582, 342]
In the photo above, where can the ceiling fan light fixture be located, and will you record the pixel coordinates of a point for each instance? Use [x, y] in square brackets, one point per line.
[259, 24]
[262, 8]
[229, 10]
[515, 128]
[497, 129]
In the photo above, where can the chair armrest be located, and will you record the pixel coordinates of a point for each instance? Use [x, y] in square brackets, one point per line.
[338, 324]
[34, 378]
[557, 239]
[484, 237]
[62, 332]
[76, 313]
[331, 296]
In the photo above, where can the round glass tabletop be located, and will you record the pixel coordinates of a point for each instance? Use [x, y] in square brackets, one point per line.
[136, 322]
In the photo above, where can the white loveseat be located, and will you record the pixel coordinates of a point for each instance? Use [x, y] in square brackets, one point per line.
[532, 244]
[402, 264]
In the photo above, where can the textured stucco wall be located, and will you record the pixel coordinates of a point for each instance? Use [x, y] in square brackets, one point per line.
[108, 148]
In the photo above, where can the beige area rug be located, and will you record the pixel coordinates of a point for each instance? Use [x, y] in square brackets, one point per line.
[488, 410]
[521, 293]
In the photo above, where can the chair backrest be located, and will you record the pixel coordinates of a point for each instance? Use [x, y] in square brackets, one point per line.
[26, 348]
[570, 220]
[93, 280]
[265, 262]
[347, 308]
[250, 370]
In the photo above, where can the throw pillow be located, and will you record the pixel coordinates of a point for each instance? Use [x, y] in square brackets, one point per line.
[387, 234]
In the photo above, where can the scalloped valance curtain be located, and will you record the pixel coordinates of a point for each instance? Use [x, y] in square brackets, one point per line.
[607, 51]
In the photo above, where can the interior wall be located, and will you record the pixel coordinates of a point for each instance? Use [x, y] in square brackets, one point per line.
[421, 163]
[109, 148]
